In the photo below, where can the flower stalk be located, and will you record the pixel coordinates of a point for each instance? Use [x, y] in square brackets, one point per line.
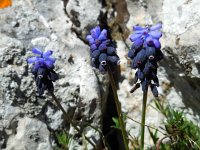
[118, 106]
[143, 118]
[68, 119]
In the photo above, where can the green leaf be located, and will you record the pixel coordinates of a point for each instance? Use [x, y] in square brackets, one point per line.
[183, 134]
[153, 136]
[116, 122]
[64, 139]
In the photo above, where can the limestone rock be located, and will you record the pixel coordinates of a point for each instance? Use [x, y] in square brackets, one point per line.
[30, 134]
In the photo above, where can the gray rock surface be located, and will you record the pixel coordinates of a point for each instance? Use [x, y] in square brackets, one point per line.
[29, 122]
[29, 134]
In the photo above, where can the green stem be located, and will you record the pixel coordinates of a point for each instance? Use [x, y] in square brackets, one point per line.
[118, 106]
[67, 117]
[143, 118]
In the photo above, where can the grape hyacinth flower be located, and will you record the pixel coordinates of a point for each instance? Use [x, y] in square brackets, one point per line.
[145, 53]
[101, 50]
[42, 69]
[104, 57]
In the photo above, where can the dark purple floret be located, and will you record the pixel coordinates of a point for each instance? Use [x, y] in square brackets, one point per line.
[113, 59]
[44, 78]
[140, 74]
[103, 59]
[150, 52]
[154, 90]
[139, 59]
[145, 53]
[42, 69]
[102, 53]
[131, 53]
[95, 54]
[111, 51]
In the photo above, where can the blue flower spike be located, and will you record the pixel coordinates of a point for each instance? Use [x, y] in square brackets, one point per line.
[145, 53]
[102, 52]
[42, 69]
